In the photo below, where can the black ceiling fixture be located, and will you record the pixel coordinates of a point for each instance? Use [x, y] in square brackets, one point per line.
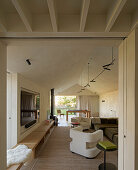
[28, 61]
[82, 88]
[106, 67]
[94, 80]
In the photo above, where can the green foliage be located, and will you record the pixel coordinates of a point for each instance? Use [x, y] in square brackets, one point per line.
[65, 101]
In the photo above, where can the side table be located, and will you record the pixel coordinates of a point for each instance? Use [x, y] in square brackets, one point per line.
[104, 165]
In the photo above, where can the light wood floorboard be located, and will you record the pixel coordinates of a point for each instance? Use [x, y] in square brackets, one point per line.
[55, 155]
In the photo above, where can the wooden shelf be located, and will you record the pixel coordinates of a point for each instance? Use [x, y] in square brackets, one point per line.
[34, 140]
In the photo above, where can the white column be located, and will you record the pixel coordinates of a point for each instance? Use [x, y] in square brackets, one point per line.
[3, 113]
[12, 104]
[128, 108]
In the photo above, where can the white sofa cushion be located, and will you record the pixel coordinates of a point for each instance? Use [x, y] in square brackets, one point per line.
[84, 122]
[96, 120]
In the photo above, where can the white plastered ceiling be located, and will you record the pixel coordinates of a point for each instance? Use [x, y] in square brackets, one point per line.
[59, 63]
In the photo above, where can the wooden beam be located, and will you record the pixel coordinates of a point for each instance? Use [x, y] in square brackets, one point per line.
[84, 13]
[114, 13]
[53, 14]
[24, 14]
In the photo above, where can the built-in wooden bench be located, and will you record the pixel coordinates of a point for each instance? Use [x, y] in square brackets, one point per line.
[15, 167]
[33, 140]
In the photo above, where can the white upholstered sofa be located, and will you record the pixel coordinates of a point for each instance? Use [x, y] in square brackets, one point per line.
[85, 143]
[84, 122]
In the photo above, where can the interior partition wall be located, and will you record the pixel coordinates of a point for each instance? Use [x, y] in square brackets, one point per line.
[3, 69]
[11, 110]
[128, 103]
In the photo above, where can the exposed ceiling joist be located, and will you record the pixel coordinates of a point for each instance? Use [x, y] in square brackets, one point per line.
[114, 13]
[84, 13]
[53, 14]
[42, 35]
[24, 14]
[135, 20]
[2, 23]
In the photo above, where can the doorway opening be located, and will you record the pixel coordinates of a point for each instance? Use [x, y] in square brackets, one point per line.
[63, 104]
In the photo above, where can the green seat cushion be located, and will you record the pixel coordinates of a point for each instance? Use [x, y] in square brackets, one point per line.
[107, 145]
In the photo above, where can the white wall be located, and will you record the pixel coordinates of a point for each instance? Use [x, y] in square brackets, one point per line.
[44, 104]
[3, 70]
[108, 103]
[89, 103]
[16, 132]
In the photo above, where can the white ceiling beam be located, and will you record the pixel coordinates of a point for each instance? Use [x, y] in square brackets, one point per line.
[114, 13]
[24, 14]
[66, 34]
[134, 20]
[53, 14]
[84, 13]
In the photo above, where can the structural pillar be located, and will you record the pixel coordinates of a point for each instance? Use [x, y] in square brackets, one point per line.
[3, 75]
[128, 103]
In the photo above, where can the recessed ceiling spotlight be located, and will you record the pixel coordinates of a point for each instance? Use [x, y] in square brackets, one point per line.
[28, 61]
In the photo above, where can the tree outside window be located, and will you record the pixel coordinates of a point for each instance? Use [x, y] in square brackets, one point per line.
[65, 103]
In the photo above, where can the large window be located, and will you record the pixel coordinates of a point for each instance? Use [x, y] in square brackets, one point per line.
[65, 103]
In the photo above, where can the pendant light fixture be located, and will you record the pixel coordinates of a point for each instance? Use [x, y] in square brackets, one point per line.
[94, 79]
[106, 67]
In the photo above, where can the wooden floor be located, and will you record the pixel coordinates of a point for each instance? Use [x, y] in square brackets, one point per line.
[55, 155]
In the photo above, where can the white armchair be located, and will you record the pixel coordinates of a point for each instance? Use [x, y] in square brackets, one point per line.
[85, 143]
[84, 122]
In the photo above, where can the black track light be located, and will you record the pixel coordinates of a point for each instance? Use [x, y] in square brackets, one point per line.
[28, 62]
[93, 81]
[106, 68]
